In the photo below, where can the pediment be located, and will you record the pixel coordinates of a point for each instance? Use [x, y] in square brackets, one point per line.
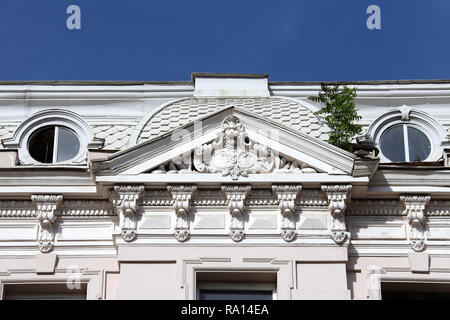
[232, 143]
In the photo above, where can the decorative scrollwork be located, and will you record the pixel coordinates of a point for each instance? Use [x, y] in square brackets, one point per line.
[46, 206]
[181, 195]
[233, 153]
[337, 203]
[236, 203]
[415, 213]
[287, 194]
[125, 202]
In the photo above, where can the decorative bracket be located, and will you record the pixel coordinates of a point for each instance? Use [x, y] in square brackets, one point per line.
[337, 196]
[125, 202]
[236, 202]
[286, 198]
[46, 206]
[181, 195]
[415, 212]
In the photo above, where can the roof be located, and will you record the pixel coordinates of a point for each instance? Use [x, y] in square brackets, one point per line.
[194, 75]
[288, 112]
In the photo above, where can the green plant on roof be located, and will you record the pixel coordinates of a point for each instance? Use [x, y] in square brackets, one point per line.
[340, 114]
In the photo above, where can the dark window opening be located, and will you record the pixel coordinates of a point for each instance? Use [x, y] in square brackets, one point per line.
[52, 291]
[415, 291]
[53, 144]
[236, 285]
[224, 294]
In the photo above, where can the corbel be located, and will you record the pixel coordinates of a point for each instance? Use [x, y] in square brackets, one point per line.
[181, 197]
[338, 196]
[236, 204]
[415, 214]
[287, 194]
[125, 202]
[46, 206]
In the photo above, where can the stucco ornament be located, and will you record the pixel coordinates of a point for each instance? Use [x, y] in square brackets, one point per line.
[125, 201]
[236, 204]
[233, 154]
[46, 206]
[181, 196]
[286, 195]
[415, 213]
[337, 196]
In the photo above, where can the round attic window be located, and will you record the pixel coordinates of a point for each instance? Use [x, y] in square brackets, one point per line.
[53, 144]
[404, 143]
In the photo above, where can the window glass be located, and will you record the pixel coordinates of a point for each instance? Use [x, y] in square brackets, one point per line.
[68, 144]
[419, 145]
[41, 145]
[404, 143]
[393, 144]
[53, 144]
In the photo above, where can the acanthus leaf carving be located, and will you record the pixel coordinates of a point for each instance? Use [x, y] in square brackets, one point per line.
[415, 214]
[287, 194]
[182, 196]
[46, 206]
[125, 202]
[236, 195]
[337, 196]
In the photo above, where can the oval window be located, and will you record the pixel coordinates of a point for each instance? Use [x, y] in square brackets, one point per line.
[53, 144]
[404, 143]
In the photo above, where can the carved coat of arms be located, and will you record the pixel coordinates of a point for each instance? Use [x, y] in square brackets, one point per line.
[233, 153]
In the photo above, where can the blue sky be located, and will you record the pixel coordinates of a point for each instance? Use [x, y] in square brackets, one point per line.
[291, 40]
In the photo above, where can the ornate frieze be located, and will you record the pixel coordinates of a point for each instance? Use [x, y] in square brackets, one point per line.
[17, 209]
[286, 195]
[261, 197]
[415, 213]
[438, 208]
[46, 206]
[311, 198]
[236, 203]
[375, 208]
[157, 198]
[125, 202]
[86, 208]
[181, 195]
[209, 198]
[337, 196]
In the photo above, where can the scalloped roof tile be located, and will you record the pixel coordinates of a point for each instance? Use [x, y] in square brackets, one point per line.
[284, 111]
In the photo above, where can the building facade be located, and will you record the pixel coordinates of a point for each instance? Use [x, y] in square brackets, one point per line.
[221, 187]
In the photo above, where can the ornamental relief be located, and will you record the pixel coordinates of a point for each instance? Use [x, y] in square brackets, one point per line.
[233, 154]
